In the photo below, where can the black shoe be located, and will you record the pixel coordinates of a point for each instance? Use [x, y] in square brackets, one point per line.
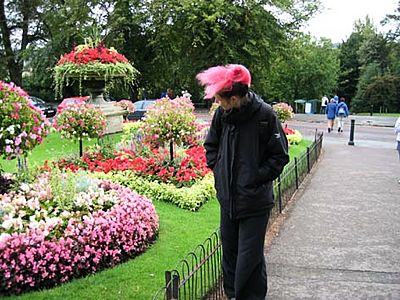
[329, 130]
[338, 130]
[341, 130]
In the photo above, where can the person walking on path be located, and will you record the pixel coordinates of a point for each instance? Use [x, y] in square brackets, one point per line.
[324, 103]
[342, 111]
[331, 114]
[247, 149]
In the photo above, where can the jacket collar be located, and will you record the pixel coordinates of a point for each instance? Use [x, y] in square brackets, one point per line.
[245, 112]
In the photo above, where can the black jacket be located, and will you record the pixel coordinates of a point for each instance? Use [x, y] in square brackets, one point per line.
[247, 149]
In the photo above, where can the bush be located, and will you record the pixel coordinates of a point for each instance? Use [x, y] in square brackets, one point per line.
[170, 121]
[81, 121]
[22, 125]
[284, 111]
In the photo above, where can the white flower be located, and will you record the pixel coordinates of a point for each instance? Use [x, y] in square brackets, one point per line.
[25, 187]
[4, 237]
[34, 224]
[33, 203]
[65, 214]
[19, 201]
[52, 222]
[7, 224]
[17, 223]
[11, 129]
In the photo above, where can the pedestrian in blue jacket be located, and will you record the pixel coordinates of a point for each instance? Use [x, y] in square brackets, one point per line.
[331, 114]
[342, 111]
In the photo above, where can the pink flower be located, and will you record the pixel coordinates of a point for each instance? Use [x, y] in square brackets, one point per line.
[18, 140]
[32, 259]
[8, 149]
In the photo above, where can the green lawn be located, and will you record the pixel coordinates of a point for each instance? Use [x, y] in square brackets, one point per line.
[52, 148]
[296, 150]
[140, 278]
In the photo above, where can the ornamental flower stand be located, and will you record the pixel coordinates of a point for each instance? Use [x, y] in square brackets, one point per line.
[113, 113]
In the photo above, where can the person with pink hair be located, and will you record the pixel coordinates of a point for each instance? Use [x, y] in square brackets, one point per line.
[247, 149]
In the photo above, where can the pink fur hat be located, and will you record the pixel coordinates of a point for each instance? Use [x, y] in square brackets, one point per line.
[221, 78]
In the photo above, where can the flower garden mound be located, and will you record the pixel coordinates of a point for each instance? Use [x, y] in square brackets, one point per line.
[47, 239]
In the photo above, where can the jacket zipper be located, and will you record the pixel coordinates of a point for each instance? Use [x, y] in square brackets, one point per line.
[232, 137]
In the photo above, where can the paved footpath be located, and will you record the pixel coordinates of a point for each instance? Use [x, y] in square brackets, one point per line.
[341, 239]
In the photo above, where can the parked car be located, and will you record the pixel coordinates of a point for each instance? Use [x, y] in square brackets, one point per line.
[48, 110]
[71, 101]
[140, 109]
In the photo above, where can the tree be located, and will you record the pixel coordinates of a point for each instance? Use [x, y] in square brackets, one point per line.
[307, 70]
[384, 92]
[18, 18]
[394, 18]
[373, 58]
[189, 36]
[349, 67]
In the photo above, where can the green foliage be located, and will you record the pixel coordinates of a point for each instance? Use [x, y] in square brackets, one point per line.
[383, 92]
[307, 70]
[132, 130]
[169, 41]
[213, 28]
[191, 198]
[349, 66]
[376, 60]
[63, 189]
[368, 75]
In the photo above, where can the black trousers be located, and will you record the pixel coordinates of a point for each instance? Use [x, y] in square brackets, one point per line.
[243, 262]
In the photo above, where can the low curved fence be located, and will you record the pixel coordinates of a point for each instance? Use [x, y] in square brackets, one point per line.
[199, 274]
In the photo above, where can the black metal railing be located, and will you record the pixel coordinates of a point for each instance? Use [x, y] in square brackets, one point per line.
[199, 274]
[294, 173]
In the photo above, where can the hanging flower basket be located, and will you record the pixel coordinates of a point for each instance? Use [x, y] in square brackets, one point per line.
[87, 63]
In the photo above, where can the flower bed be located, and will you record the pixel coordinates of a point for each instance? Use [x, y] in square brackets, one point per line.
[184, 181]
[190, 198]
[293, 135]
[188, 167]
[55, 230]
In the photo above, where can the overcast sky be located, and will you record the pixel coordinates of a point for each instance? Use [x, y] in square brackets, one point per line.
[338, 16]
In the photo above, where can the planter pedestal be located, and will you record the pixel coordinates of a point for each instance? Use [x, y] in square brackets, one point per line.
[114, 114]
